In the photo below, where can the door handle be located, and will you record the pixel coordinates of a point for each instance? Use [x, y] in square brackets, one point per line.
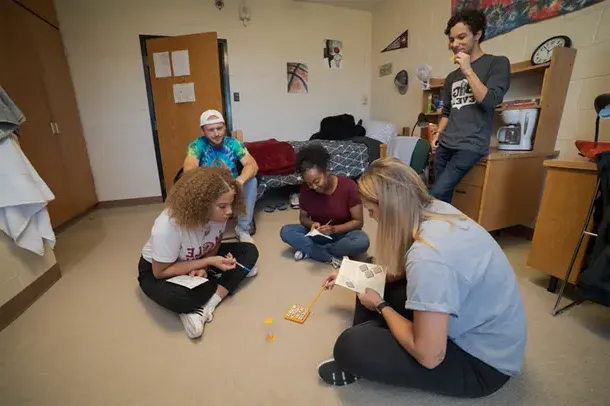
[56, 128]
[460, 192]
[52, 128]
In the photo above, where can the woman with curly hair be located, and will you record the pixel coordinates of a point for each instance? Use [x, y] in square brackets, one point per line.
[451, 320]
[329, 204]
[186, 240]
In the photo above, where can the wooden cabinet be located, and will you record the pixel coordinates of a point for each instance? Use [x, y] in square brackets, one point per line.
[38, 80]
[568, 192]
[467, 194]
[467, 199]
[502, 190]
[62, 100]
[45, 9]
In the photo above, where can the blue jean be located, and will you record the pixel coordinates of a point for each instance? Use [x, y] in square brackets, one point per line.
[451, 165]
[250, 188]
[345, 244]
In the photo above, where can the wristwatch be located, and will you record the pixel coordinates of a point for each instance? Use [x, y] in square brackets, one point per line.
[381, 306]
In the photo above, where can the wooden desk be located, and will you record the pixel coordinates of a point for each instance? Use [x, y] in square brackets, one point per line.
[503, 189]
[568, 191]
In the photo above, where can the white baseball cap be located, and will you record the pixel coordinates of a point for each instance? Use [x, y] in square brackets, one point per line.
[205, 118]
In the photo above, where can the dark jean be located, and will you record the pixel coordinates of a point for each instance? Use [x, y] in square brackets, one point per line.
[451, 165]
[348, 244]
[369, 350]
[180, 299]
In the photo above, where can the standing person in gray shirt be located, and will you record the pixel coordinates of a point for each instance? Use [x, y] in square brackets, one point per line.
[469, 95]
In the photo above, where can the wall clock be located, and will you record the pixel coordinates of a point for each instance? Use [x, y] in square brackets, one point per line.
[543, 53]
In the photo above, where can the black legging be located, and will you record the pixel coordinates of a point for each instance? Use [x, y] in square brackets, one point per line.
[180, 299]
[370, 351]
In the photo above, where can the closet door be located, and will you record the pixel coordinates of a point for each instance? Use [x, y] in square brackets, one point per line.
[62, 101]
[21, 77]
[44, 8]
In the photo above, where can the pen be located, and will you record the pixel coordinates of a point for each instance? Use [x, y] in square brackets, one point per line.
[230, 256]
[246, 268]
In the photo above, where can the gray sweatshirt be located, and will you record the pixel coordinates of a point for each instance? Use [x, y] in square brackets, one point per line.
[469, 126]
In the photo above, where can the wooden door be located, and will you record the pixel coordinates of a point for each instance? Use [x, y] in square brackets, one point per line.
[22, 79]
[62, 101]
[178, 123]
[44, 8]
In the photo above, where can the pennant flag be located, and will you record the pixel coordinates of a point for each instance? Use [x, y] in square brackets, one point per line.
[402, 41]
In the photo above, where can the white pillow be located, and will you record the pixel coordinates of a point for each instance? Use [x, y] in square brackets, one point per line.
[381, 131]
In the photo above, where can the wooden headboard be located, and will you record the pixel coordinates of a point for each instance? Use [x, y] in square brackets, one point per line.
[238, 135]
[383, 150]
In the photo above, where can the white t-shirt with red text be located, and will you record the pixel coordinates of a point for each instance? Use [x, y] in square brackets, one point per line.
[170, 243]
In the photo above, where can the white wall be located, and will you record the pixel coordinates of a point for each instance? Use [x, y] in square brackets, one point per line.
[102, 45]
[426, 20]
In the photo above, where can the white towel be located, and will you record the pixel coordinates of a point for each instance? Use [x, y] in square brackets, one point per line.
[23, 200]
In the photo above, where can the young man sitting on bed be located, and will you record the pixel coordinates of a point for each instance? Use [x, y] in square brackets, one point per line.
[214, 148]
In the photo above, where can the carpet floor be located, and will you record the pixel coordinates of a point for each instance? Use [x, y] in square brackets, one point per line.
[95, 339]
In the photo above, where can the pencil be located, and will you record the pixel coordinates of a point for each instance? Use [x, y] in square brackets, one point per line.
[316, 298]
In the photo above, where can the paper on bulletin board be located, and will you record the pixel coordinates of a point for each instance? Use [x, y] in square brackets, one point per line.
[180, 63]
[162, 64]
[184, 92]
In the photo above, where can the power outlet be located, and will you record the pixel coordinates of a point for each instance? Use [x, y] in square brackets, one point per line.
[236, 96]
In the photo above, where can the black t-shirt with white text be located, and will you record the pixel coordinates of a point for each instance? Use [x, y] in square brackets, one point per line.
[470, 123]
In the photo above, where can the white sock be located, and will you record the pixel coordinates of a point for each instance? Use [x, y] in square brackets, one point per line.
[210, 306]
[214, 301]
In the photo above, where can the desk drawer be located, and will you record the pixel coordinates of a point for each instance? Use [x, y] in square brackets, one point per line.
[467, 199]
[476, 176]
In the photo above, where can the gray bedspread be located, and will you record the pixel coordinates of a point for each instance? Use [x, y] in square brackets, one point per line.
[346, 158]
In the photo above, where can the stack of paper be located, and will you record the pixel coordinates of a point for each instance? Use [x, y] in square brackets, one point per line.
[357, 276]
[187, 281]
[316, 233]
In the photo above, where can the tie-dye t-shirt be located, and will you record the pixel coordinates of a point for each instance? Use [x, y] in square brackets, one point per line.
[226, 155]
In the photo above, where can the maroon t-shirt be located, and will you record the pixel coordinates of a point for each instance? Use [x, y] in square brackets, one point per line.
[323, 208]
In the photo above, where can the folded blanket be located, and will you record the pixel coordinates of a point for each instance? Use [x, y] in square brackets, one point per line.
[273, 157]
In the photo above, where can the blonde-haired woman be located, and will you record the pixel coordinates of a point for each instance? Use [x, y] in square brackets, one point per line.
[452, 319]
[186, 240]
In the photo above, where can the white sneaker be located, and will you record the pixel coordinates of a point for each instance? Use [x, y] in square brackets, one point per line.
[242, 235]
[193, 323]
[208, 313]
[253, 272]
[299, 256]
[336, 262]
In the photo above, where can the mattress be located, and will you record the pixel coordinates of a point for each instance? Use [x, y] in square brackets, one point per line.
[346, 159]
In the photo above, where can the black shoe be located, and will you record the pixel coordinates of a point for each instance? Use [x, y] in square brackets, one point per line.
[330, 373]
[253, 227]
[370, 260]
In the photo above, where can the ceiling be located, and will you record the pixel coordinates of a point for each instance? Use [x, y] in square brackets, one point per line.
[367, 5]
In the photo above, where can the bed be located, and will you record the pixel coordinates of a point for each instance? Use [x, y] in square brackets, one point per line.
[348, 158]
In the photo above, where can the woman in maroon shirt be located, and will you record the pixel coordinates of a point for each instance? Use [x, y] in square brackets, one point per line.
[330, 204]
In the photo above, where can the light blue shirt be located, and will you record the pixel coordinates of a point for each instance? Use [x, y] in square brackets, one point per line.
[464, 272]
